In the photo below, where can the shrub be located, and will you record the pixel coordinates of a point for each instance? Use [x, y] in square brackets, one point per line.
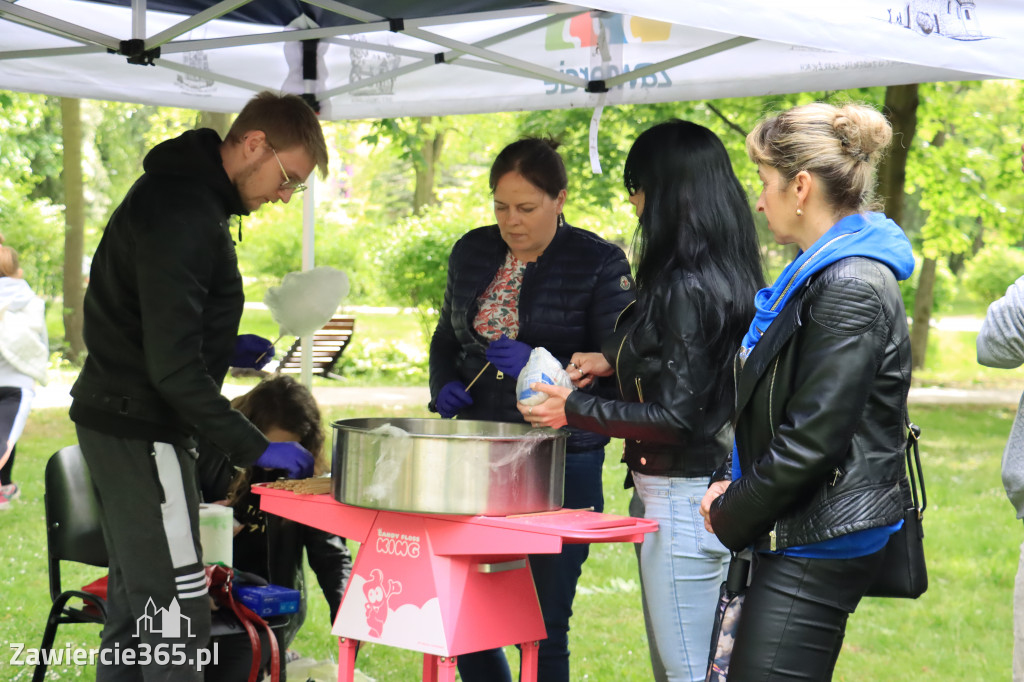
[413, 261]
[992, 270]
[384, 362]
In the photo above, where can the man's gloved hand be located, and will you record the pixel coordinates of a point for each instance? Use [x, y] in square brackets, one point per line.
[252, 351]
[507, 355]
[289, 456]
[452, 398]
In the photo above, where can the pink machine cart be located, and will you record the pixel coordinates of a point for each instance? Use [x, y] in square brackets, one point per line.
[445, 585]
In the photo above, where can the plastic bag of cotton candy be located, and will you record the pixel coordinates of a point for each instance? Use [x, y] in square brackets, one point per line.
[541, 368]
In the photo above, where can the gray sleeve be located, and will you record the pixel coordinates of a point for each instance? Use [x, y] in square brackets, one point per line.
[1001, 339]
[1001, 344]
[1013, 463]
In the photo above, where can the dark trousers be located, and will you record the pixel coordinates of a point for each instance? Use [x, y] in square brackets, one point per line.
[156, 592]
[5, 470]
[10, 402]
[794, 616]
[555, 576]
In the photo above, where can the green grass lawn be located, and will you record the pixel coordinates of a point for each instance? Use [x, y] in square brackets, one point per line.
[961, 629]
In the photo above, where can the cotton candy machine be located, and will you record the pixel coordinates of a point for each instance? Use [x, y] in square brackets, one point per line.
[448, 466]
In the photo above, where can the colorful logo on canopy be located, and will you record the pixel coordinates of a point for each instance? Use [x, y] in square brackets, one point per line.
[582, 31]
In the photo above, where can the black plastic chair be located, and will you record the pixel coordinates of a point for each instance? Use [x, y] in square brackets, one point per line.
[73, 533]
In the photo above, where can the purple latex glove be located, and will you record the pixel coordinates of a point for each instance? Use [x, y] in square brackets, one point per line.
[452, 398]
[507, 355]
[252, 351]
[289, 456]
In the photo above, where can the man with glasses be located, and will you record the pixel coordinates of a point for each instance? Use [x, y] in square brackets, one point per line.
[161, 317]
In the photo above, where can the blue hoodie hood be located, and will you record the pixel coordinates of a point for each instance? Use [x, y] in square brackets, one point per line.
[871, 235]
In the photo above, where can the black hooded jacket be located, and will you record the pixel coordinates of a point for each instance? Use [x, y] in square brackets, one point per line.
[569, 301]
[163, 306]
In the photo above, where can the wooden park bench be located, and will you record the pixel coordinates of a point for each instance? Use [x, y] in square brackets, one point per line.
[329, 343]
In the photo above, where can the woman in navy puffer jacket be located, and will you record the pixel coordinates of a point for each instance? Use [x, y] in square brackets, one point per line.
[530, 281]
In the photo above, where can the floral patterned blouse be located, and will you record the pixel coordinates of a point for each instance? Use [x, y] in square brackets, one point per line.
[498, 306]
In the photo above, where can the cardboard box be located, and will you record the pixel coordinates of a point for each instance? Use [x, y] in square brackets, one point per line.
[269, 600]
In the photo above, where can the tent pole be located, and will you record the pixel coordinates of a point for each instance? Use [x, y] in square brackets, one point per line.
[308, 263]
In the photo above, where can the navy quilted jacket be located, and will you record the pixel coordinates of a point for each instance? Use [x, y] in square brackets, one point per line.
[569, 301]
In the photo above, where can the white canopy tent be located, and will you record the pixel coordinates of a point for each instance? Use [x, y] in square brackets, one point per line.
[386, 58]
[378, 58]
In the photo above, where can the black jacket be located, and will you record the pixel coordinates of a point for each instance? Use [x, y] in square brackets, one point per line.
[674, 421]
[163, 306]
[569, 301]
[822, 422]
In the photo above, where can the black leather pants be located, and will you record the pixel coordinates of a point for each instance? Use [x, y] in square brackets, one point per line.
[794, 616]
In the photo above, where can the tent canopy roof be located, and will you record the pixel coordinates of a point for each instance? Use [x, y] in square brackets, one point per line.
[376, 58]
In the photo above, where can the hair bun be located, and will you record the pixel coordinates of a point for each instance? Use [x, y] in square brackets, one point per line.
[862, 130]
[551, 142]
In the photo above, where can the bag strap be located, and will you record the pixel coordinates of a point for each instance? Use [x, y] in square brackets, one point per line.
[914, 472]
[220, 578]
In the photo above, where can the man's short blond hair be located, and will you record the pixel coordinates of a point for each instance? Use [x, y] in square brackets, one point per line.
[287, 121]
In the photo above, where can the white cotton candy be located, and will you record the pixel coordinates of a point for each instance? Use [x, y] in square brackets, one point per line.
[306, 301]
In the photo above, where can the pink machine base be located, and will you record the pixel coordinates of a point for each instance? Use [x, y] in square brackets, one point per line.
[445, 585]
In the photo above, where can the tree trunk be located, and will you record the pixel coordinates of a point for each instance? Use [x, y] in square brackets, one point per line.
[216, 120]
[431, 151]
[74, 227]
[922, 313]
[901, 108]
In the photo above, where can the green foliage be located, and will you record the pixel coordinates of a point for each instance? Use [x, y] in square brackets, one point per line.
[412, 260]
[383, 362]
[992, 270]
[965, 163]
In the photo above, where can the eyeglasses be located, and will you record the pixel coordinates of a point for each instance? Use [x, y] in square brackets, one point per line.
[288, 184]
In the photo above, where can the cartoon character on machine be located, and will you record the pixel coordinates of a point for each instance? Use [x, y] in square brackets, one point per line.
[377, 600]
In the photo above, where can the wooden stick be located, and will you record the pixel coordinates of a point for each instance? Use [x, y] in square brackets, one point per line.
[478, 375]
[272, 344]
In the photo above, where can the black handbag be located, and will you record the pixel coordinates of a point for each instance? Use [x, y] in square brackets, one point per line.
[903, 572]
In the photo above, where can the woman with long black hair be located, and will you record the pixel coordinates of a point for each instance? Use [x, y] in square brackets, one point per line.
[698, 268]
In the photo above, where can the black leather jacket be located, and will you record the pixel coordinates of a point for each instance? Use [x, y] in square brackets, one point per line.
[673, 421]
[822, 421]
[569, 301]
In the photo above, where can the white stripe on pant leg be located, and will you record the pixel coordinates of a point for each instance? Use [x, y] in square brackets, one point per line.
[19, 419]
[191, 584]
[177, 525]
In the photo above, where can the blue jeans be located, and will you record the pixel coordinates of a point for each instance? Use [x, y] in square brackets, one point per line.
[555, 576]
[681, 570]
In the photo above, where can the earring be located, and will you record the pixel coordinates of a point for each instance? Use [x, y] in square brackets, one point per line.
[799, 211]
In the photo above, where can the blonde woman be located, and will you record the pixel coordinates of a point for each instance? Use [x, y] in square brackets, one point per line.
[813, 484]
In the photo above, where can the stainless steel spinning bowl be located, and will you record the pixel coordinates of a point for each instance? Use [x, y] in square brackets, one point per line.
[448, 466]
